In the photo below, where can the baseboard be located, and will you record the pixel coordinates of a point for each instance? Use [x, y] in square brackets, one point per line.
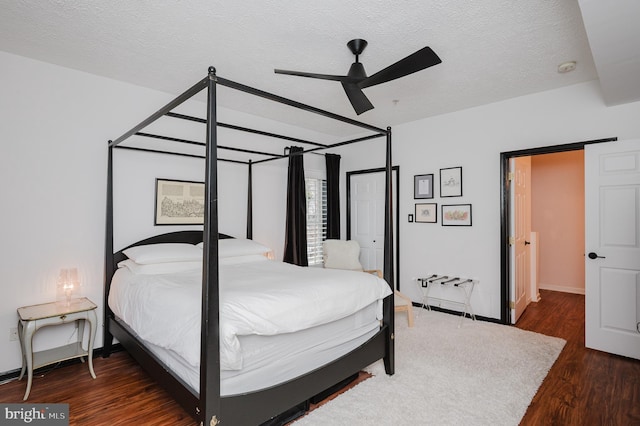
[13, 374]
[458, 313]
[561, 288]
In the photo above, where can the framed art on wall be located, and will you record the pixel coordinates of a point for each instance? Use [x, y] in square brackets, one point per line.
[451, 182]
[456, 215]
[423, 186]
[427, 212]
[179, 202]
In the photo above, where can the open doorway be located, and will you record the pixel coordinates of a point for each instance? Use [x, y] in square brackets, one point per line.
[508, 240]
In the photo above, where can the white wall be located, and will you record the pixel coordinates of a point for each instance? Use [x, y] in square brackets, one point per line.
[53, 164]
[474, 139]
[55, 128]
[557, 193]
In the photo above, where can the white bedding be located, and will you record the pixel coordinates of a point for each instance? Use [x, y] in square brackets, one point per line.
[260, 297]
[270, 360]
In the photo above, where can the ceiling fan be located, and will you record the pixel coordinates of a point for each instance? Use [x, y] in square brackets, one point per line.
[356, 79]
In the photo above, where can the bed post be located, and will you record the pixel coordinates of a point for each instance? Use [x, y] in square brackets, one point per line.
[389, 358]
[250, 203]
[210, 331]
[108, 257]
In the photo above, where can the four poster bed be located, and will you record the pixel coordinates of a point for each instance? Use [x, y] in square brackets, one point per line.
[226, 360]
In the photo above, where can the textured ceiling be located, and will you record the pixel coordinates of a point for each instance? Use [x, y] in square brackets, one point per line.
[491, 50]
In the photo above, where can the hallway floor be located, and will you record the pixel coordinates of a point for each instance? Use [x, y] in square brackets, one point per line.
[584, 386]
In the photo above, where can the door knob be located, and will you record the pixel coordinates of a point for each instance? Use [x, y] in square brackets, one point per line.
[593, 255]
[526, 243]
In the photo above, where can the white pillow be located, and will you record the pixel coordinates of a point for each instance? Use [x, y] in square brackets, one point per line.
[162, 253]
[340, 254]
[160, 268]
[236, 260]
[231, 247]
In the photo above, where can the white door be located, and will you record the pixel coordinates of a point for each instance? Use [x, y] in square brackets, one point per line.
[367, 195]
[612, 252]
[520, 232]
[367, 217]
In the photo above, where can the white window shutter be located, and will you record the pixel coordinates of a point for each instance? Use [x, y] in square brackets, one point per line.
[316, 218]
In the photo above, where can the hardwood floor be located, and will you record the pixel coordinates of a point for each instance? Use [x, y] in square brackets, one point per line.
[584, 387]
[121, 394]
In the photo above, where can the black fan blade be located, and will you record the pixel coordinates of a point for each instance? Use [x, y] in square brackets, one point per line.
[312, 75]
[423, 58]
[357, 98]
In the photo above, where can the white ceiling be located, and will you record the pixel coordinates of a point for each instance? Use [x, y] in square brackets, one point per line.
[491, 50]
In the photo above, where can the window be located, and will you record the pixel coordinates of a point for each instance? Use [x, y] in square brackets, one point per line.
[316, 218]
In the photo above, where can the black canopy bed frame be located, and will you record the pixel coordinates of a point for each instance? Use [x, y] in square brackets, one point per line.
[209, 406]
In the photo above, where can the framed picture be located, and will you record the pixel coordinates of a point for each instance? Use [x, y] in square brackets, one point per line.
[179, 202]
[423, 186]
[456, 215]
[451, 182]
[427, 212]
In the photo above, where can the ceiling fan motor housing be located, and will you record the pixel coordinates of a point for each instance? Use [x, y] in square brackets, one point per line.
[357, 71]
[357, 46]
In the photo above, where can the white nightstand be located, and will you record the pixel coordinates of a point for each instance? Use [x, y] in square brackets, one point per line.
[34, 317]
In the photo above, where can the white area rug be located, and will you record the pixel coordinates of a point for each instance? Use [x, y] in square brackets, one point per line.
[478, 374]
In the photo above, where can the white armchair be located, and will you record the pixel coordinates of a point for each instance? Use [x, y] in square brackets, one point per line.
[341, 254]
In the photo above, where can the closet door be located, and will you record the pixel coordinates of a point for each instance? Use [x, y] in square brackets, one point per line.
[367, 218]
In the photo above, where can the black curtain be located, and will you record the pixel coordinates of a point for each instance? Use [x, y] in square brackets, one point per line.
[295, 244]
[333, 196]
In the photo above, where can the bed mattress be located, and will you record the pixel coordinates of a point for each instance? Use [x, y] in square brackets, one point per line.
[271, 360]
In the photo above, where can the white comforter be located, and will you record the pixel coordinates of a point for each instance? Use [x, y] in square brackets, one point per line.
[260, 297]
